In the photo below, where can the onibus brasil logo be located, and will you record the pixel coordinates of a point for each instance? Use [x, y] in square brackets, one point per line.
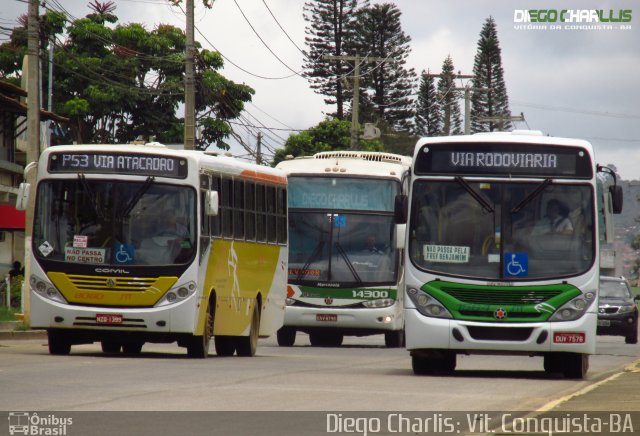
[27, 423]
[572, 19]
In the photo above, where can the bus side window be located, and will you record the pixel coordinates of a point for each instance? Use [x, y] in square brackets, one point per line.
[250, 211]
[271, 214]
[281, 217]
[238, 209]
[225, 207]
[261, 217]
[214, 221]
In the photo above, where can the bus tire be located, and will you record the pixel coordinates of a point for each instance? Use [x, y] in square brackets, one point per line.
[443, 362]
[286, 336]
[576, 365]
[111, 347]
[132, 348]
[552, 363]
[394, 339]
[421, 365]
[225, 345]
[58, 343]
[246, 346]
[198, 347]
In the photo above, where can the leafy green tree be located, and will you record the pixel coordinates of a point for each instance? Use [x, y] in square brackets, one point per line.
[449, 100]
[488, 74]
[428, 119]
[330, 31]
[330, 134]
[389, 85]
[118, 82]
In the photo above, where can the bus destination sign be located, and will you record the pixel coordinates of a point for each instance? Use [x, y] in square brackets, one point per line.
[118, 163]
[501, 159]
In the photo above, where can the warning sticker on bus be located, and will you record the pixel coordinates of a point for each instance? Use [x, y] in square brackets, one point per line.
[446, 253]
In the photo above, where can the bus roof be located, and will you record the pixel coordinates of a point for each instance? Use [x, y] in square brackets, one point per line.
[349, 162]
[203, 160]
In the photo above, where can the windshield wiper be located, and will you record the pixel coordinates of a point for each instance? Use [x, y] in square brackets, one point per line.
[526, 200]
[313, 256]
[348, 262]
[134, 200]
[479, 198]
[92, 196]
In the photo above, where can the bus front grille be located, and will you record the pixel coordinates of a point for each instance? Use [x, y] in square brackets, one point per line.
[501, 297]
[97, 283]
[511, 334]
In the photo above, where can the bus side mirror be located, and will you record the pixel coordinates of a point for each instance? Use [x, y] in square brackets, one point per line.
[400, 210]
[22, 202]
[213, 203]
[401, 232]
[616, 198]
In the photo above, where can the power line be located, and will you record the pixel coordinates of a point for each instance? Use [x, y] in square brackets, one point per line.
[577, 111]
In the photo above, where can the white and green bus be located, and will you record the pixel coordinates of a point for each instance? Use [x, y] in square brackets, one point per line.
[140, 243]
[503, 250]
[345, 267]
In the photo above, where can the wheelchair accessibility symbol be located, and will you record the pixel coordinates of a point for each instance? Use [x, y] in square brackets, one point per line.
[123, 253]
[516, 264]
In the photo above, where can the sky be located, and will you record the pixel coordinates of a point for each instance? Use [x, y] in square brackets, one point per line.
[568, 81]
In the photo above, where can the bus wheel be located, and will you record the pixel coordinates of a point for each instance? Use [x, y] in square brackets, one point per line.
[439, 362]
[198, 346]
[132, 347]
[225, 345]
[553, 363]
[326, 339]
[246, 345]
[110, 347]
[394, 339]
[286, 336]
[58, 343]
[421, 365]
[576, 365]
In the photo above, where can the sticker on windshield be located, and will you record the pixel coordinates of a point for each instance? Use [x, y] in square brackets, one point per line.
[123, 253]
[80, 241]
[339, 221]
[85, 255]
[516, 264]
[446, 253]
[45, 249]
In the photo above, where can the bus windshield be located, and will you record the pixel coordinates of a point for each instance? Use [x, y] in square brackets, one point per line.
[341, 247]
[114, 223]
[502, 230]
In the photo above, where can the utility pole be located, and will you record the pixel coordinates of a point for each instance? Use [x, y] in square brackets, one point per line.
[33, 138]
[356, 91]
[189, 81]
[467, 106]
[447, 109]
[259, 149]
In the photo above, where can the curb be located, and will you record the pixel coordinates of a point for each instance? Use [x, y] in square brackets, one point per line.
[22, 334]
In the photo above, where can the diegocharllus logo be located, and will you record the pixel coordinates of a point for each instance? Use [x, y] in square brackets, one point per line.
[500, 313]
[572, 19]
[28, 423]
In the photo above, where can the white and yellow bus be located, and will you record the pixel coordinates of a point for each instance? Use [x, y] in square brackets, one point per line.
[140, 243]
[345, 267]
[503, 250]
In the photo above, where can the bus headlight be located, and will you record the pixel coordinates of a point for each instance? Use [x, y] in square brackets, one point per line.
[45, 289]
[177, 294]
[427, 305]
[376, 304]
[573, 309]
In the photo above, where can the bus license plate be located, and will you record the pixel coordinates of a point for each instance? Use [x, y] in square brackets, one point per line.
[569, 338]
[108, 318]
[326, 317]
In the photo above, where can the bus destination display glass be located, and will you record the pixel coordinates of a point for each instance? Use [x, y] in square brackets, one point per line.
[118, 163]
[504, 159]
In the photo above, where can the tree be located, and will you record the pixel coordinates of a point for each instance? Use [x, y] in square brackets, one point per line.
[330, 134]
[449, 100]
[329, 32]
[389, 84]
[117, 82]
[488, 74]
[428, 119]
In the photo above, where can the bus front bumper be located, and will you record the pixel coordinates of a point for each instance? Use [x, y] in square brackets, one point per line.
[378, 319]
[471, 337]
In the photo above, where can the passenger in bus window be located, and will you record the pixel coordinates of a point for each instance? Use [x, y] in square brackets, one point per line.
[556, 220]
